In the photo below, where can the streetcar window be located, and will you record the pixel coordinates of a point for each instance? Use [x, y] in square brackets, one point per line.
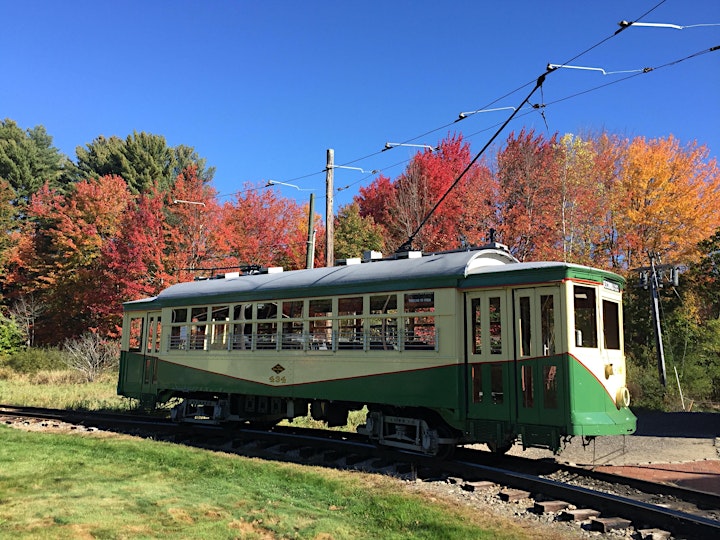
[547, 320]
[219, 329]
[220, 313]
[150, 336]
[266, 331]
[199, 314]
[477, 325]
[383, 330]
[420, 329]
[525, 334]
[496, 383]
[158, 333]
[136, 329]
[292, 309]
[292, 330]
[178, 337]
[320, 313]
[242, 332]
[179, 315]
[350, 331]
[197, 331]
[585, 317]
[550, 387]
[350, 306]
[611, 324]
[495, 330]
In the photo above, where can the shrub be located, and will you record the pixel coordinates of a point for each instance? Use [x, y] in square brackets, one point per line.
[91, 354]
[11, 337]
[33, 360]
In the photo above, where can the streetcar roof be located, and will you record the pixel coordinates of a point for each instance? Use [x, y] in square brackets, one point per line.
[482, 267]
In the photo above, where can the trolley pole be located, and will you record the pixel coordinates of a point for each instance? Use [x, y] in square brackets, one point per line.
[329, 219]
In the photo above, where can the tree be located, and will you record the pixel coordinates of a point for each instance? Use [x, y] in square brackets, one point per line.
[143, 160]
[193, 220]
[581, 188]
[8, 237]
[355, 234]
[530, 196]
[61, 261]
[28, 160]
[400, 207]
[261, 228]
[666, 200]
[26, 311]
[133, 263]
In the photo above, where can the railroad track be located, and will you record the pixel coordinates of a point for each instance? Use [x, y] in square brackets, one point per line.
[595, 500]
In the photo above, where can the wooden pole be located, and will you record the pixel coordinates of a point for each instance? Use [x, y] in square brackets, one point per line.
[329, 217]
[310, 259]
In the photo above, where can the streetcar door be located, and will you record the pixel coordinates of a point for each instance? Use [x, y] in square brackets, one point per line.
[151, 349]
[489, 347]
[538, 369]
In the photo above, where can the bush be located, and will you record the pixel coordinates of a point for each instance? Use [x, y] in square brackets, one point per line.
[91, 354]
[33, 360]
[11, 337]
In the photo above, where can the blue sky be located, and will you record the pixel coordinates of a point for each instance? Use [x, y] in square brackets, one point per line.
[262, 89]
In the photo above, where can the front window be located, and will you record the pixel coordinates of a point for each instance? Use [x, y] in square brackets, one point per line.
[611, 324]
[585, 317]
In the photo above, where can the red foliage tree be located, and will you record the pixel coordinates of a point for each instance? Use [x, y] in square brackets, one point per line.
[133, 263]
[402, 206]
[61, 262]
[530, 193]
[261, 228]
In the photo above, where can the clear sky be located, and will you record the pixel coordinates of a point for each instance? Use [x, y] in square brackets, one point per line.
[263, 88]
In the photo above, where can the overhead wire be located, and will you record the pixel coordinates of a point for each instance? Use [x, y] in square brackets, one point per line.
[536, 107]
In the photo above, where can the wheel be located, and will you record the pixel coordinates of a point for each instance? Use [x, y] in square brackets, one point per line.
[445, 451]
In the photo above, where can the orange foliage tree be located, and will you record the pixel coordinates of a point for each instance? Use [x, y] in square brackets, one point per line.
[666, 199]
[61, 260]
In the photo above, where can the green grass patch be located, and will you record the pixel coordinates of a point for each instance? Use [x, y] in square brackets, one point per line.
[71, 486]
[61, 389]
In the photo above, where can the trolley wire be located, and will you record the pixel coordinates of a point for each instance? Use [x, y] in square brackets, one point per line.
[536, 107]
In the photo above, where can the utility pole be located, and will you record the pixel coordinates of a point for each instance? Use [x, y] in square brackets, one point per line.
[329, 218]
[654, 277]
[310, 259]
[654, 285]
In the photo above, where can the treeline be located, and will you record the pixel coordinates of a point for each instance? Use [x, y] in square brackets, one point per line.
[85, 234]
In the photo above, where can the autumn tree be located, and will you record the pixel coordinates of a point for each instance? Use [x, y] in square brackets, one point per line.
[144, 160]
[133, 262]
[8, 238]
[406, 205]
[666, 200]
[261, 228]
[583, 199]
[529, 204]
[60, 264]
[193, 220]
[355, 234]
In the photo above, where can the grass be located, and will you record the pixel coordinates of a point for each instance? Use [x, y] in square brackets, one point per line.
[59, 486]
[61, 389]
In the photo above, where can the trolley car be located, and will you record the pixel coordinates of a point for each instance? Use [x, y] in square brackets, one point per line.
[443, 349]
